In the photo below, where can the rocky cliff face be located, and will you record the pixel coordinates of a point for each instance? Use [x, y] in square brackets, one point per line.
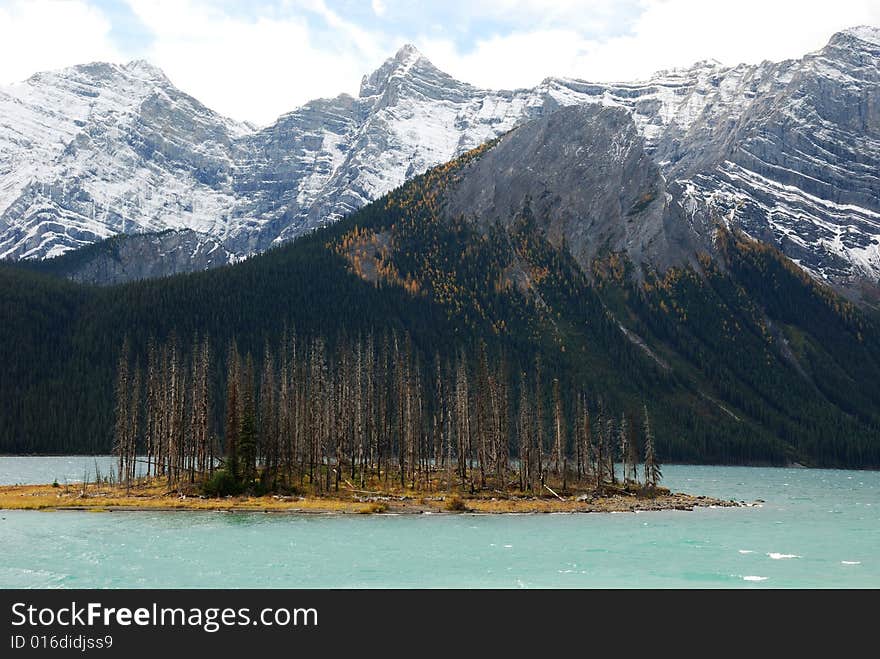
[99, 150]
[787, 151]
[584, 176]
[799, 164]
[125, 258]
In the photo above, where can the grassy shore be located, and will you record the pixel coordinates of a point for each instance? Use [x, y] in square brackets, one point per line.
[156, 496]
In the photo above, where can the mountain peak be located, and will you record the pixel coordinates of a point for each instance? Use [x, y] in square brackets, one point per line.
[144, 68]
[701, 65]
[866, 33]
[104, 72]
[407, 53]
[377, 82]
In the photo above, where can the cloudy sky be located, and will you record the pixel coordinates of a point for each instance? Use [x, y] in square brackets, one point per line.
[254, 60]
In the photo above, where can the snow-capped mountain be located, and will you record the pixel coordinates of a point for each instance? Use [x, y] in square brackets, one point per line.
[788, 151]
[98, 150]
[797, 164]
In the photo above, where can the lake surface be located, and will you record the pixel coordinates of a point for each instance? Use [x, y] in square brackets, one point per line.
[815, 529]
[35, 470]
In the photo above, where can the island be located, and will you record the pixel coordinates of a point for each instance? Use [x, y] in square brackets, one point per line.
[358, 428]
[155, 495]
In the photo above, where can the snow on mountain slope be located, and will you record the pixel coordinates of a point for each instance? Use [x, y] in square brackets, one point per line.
[415, 117]
[788, 151]
[100, 149]
[799, 166]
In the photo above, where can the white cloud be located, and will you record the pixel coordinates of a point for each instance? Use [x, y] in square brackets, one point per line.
[510, 61]
[256, 69]
[679, 32]
[585, 16]
[261, 65]
[36, 35]
[665, 34]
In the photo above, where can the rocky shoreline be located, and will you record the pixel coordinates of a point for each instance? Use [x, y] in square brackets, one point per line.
[105, 499]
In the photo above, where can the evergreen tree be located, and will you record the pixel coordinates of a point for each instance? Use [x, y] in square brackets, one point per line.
[633, 459]
[653, 473]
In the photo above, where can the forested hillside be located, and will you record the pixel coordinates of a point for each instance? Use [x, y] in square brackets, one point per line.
[743, 359]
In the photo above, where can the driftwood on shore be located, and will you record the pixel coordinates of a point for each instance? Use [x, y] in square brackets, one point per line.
[553, 493]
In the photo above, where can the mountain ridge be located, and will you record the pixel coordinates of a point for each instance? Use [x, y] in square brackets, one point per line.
[741, 356]
[729, 138]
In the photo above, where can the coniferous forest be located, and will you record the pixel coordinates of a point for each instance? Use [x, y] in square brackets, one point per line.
[742, 359]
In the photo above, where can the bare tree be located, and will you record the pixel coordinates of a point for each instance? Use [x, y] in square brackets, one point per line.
[233, 410]
[323, 412]
[123, 402]
[524, 431]
[539, 424]
[559, 453]
[133, 426]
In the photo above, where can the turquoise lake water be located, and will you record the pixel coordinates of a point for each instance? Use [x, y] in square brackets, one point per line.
[815, 529]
